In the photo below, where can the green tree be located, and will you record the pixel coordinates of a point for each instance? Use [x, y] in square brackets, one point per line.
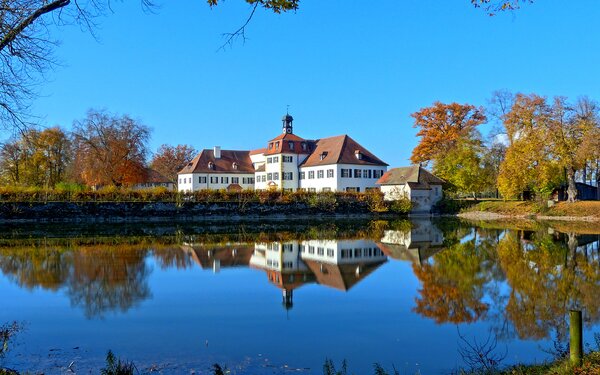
[462, 166]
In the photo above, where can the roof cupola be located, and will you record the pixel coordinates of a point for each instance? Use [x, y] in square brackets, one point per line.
[287, 123]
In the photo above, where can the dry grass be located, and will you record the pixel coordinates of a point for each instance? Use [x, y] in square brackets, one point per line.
[582, 209]
[577, 209]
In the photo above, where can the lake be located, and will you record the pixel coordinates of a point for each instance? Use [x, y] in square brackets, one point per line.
[282, 297]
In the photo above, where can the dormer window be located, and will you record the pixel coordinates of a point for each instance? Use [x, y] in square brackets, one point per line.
[303, 146]
[235, 166]
[277, 145]
[358, 154]
[291, 145]
[271, 146]
[211, 165]
[323, 155]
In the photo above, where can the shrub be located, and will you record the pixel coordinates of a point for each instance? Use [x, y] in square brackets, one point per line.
[323, 202]
[401, 206]
[114, 366]
[375, 201]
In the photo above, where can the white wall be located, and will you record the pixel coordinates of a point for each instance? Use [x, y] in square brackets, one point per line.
[422, 200]
[341, 252]
[192, 181]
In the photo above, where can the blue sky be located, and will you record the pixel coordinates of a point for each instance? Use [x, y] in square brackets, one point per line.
[354, 67]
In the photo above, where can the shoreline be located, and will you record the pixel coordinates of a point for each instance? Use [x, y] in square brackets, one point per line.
[491, 216]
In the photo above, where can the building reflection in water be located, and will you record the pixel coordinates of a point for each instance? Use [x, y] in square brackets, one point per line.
[422, 241]
[338, 264]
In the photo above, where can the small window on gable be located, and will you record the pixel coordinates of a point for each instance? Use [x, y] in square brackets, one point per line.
[277, 145]
[235, 165]
[271, 146]
[358, 154]
[304, 146]
[211, 165]
[323, 155]
[291, 145]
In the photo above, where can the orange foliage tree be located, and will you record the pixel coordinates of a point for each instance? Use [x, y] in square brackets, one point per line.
[441, 126]
[110, 149]
[169, 160]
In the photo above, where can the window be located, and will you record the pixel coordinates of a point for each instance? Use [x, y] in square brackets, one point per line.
[346, 253]
[269, 160]
[288, 159]
[202, 180]
[234, 166]
[330, 173]
[326, 189]
[320, 251]
[275, 159]
[302, 248]
[323, 155]
[311, 175]
[276, 176]
[320, 174]
[357, 173]
[368, 173]
[224, 180]
[302, 175]
[271, 146]
[312, 190]
[330, 253]
[288, 176]
[235, 180]
[269, 176]
[357, 253]
[346, 173]
[288, 247]
[277, 145]
[353, 189]
[311, 249]
[303, 146]
[291, 145]
[251, 180]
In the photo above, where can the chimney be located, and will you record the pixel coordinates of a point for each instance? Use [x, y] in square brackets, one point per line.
[217, 152]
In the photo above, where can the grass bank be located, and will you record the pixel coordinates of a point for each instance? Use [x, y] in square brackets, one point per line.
[583, 210]
[590, 366]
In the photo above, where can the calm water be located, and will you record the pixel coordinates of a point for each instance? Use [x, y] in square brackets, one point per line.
[280, 298]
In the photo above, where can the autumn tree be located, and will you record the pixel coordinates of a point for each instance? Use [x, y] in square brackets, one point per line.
[36, 158]
[169, 160]
[548, 144]
[110, 149]
[442, 126]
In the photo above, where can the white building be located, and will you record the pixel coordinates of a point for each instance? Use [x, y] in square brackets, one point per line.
[288, 162]
[415, 183]
[217, 169]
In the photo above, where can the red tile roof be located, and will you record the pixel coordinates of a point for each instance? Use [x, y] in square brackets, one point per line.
[340, 150]
[225, 164]
[416, 177]
[285, 141]
[258, 151]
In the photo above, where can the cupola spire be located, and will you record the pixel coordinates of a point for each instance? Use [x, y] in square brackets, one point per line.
[287, 124]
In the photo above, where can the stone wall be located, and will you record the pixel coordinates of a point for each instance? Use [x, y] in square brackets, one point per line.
[115, 211]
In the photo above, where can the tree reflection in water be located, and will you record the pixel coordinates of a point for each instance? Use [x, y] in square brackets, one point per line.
[530, 279]
[105, 280]
[98, 279]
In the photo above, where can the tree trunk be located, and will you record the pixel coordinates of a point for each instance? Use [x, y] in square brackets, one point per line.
[572, 187]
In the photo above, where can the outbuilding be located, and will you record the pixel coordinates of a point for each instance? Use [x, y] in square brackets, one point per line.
[415, 183]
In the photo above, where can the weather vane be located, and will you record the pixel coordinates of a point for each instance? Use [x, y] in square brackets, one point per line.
[287, 109]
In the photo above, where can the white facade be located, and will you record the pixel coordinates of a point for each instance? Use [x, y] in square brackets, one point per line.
[422, 199]
[214, 181]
